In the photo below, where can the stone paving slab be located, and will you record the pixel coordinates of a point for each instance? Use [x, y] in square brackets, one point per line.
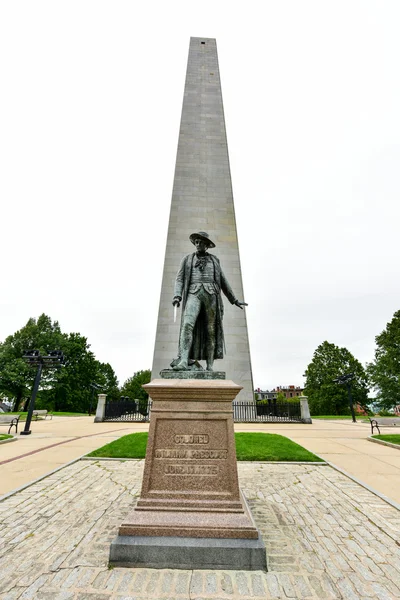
[326, 537]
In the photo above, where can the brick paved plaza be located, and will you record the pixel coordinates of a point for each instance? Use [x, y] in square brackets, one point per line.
[326, 537]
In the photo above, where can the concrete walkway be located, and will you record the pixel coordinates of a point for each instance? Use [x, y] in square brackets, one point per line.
[62, 439]
[53, 443]
[345, 445]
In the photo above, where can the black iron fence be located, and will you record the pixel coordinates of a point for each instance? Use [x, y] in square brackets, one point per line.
[271, 411]
[127, 410]
[243, 412]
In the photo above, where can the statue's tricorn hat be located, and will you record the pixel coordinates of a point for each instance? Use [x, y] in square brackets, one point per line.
[204, 236]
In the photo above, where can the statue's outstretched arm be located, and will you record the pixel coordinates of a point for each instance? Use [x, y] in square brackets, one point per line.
[226, 288]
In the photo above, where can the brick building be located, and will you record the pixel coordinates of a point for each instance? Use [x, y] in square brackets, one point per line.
[290, 391]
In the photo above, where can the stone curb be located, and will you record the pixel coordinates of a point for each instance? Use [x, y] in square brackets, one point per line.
[109, 458]
[249, 462]
[13, 439]
[323, 463]
[383, 442]
[364, 485]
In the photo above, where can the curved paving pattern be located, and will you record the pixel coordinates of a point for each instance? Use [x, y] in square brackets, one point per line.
[326, 537]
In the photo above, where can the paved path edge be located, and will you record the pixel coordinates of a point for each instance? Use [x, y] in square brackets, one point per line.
[364, 485]
[383, 442]
[392, 503]
[26, 485]
[7, 441]
[255, 462]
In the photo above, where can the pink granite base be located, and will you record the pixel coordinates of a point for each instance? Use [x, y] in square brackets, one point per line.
[190, 484]
[210, 524]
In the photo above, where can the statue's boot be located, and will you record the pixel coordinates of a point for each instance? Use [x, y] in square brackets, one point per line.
[181, 366]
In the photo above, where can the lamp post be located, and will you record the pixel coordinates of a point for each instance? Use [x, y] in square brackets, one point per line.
[34, 359]
[346, 380]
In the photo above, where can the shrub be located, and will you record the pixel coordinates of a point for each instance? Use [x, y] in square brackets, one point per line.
[386, 413]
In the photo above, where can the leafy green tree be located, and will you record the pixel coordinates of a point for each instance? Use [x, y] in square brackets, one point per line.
[16, 378]
[384, 371]
[68, 388]
[133, 389]
[71, 388]
[107, 381]
[324, 395]
[133, 386]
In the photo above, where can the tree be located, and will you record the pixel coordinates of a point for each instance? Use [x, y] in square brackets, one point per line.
[71, 389]
[384, 371]
[325, 396]
[16, 378]
[133, 386]
[68, 388]
[107, 381]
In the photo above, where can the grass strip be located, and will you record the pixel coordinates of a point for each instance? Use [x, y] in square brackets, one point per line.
[270, 446]
[4, 436]
[249, 446]
[23, 415]
[393, 438]
[344, 417]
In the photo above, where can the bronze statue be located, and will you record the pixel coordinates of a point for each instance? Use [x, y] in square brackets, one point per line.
[198, 286]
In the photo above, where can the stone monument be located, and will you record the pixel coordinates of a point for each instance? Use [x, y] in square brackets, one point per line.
[191, 513]
[202, 199]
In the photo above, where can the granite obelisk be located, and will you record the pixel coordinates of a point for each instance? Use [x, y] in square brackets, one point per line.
[202, 199]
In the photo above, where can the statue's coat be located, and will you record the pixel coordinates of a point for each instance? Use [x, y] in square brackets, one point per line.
[198, 350]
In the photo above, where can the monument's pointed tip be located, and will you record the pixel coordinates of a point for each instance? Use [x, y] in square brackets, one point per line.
[202, 39]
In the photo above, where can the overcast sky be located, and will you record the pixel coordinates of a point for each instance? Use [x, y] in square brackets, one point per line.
[91, 96]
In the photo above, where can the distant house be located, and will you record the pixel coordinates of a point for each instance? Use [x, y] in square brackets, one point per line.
[265, 394]
[4, 407]
[290, 391]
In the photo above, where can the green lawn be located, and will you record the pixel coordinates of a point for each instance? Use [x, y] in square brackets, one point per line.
[5, 436]
[335, 416]
[249, 446]
[56, 414]
[393, 438]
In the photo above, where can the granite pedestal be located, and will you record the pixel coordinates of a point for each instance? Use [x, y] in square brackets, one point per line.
[190, 511]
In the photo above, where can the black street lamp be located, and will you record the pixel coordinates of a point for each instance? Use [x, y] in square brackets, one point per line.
[53, 360]
[346, 380]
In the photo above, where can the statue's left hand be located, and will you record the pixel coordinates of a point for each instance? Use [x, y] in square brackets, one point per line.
[240, 304]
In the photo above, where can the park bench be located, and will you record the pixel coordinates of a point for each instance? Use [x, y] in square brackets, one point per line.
[11, 420]
[384, 422]
[41, 413]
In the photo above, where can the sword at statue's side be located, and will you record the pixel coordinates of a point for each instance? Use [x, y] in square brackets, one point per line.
[175, 311]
